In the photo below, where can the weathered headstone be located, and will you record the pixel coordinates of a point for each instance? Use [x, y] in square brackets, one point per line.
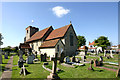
[90, 68]
[54, 75]
[6, 56]
[23, 71]
[77, 60]
[73, 59]
[67, 59]
[44, 57]
[20, 64]
[36, 54]
[111, 54]
[0, 59]
[29, 60]
[95, 62]
[104, 53]
[83, 58]
[101, 58]
[62, 57]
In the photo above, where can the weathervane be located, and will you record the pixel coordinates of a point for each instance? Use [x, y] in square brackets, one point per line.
[70, 22]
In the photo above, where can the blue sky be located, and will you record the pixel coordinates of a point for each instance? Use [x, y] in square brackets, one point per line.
[89, 19]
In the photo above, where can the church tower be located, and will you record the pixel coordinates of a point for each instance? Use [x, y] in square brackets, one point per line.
[30, 31]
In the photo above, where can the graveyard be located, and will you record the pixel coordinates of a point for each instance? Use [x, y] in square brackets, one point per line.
[37, 71]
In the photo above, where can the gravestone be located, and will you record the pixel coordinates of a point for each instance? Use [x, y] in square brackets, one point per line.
[67, 59]
[53, 75]
[101, 58]
[6, 56]
[77, 60]
[104, 53]
[0, 59]
[30, 59]
[36, 54]
[23, 71]
[73, 59]
[95, 62]
[21, 60]
[118, 72]
[43, 57]
[111, 54]
[20, 64]
[62, 57]
[90, 68]
[83, 58]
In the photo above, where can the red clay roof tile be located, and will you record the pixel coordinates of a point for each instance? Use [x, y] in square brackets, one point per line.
[38, 35]
[24, 46]
[50, 43]
[57, 33]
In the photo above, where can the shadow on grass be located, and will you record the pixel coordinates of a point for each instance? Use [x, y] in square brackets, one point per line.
[99, 70]
[37, 63]
[5, 63]
[60, 71]
[26, 66]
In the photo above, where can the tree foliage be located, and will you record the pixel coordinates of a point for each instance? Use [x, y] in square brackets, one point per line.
[103, 42]
[1, 43]
[81, 40]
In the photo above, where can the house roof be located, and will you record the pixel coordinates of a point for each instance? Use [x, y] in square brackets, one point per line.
[39, 34]
[92, 48]
[92, 43]
[84, 47]
[58, 33]
[50, 43]
[24, 46]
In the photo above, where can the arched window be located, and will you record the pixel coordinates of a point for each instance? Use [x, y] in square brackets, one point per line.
[71, 39]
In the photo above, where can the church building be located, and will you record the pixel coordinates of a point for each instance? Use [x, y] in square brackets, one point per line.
[62, 40]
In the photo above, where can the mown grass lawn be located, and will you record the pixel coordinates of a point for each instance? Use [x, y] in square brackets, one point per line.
[37, 71]
[4, 62]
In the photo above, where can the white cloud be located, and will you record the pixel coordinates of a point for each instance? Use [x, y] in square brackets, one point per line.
[59, 11]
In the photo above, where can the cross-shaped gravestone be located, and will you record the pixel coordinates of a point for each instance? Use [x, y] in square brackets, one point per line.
[54, 75]
[104, 53]
[111, 54]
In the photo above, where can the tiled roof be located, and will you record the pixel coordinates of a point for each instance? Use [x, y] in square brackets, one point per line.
[38, 35]
[57, 33]
[92, 43]
[92, 48]
[84, 47]
[50, 43]
[25, 46]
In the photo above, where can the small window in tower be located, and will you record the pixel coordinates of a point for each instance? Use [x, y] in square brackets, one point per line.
[27, 31]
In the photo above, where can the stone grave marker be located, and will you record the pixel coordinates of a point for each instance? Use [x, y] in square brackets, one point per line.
[62, 57]
[101, 59]
[30, 59]
[83, 58]
[104, 53]
[77, 60]
[23, 71]
[44, 57]
[67, 59]
[0, 59]
[36, 54]
[95, 62]
[111, 54]
[6, 56]
[54, 75]
[90, 68]
[21, 60]
[73, 59]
